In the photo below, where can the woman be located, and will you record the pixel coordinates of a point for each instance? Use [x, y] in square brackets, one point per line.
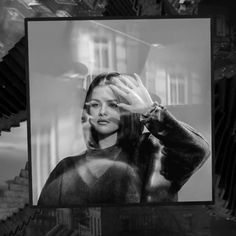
[124, 164]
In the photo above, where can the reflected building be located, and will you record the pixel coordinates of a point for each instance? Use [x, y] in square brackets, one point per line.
[87, 221]
[181, 7]
[104, 49]
[123, 221]
[175, 84]
[67, 8]
[162, 220]
[170, 73]
[223, 36]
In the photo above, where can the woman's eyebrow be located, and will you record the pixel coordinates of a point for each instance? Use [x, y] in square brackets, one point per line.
[109, 100]
[112, 100]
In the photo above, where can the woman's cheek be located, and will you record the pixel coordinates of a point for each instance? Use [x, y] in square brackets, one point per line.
[115, 112]
[93, 112]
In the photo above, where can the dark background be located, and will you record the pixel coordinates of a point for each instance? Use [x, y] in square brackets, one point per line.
[17, 218]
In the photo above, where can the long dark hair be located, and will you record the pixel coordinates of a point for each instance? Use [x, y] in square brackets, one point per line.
[130, 127]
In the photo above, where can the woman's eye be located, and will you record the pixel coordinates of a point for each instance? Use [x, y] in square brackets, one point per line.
[113, 105]
[94, 105]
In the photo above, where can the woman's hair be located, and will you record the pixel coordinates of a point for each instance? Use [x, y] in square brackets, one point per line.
[130, 127]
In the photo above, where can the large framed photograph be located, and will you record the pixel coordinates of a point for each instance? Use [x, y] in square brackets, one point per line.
[120, 111]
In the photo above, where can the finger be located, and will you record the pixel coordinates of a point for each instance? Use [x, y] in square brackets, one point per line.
[139, 81]
[90, 117]
[119, 91]
[88, 103]
[124, 111]
[128, 80]
[117, 82]
[86, 118]
[122, 88]
[124, 106]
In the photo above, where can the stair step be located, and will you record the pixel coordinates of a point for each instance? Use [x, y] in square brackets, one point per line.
[5, 205]
[21, 180]
[24, 173]
[18, 187]
[17, 194]
[3, 186]
[18, 200]
[4, 213]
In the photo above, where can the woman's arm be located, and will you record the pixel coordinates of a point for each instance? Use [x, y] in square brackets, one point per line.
[183, 149]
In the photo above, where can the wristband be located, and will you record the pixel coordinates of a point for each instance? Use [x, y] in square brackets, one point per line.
[156, 109]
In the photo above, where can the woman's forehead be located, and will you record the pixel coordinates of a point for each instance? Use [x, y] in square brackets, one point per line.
[103, 92]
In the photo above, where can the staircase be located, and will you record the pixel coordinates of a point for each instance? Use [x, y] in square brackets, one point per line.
[15, 195]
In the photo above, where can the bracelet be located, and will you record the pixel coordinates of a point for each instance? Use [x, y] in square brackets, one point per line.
[156, 109]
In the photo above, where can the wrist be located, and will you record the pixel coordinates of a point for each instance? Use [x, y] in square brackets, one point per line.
[153, 107]
[153, 119]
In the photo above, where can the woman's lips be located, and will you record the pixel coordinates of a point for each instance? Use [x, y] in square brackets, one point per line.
[102, 122]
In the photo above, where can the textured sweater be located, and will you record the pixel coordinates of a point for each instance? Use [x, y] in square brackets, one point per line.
[165, 159]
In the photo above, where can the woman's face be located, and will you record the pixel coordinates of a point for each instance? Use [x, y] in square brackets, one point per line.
[104, 111]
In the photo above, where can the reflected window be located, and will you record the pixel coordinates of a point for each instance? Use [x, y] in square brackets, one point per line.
[121, 55]
[221, 27]
[125, 224]
[102, 50]
[177, 89]
[94, 226]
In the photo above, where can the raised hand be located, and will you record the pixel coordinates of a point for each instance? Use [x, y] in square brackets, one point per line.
[133, 91]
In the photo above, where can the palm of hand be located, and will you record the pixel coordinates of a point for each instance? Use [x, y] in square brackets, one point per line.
[133, 91]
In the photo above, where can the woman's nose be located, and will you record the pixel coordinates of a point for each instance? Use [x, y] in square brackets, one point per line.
[103, 109]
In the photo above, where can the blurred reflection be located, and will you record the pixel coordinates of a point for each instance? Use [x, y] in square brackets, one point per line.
[166, 71]
[177, 88]
[176, 72]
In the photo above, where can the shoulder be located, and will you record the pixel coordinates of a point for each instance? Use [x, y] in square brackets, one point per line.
[67, 163]
[72, 159]
[64, 166]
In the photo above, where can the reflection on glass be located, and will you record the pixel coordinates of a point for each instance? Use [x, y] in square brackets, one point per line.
[177, 87]
[173, 72]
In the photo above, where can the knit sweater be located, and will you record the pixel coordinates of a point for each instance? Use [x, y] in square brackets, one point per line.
[165, 159]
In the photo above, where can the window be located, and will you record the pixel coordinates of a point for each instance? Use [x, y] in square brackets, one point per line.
[177, 89]
[99, 226]
[102, 54]
[125, 224]
[121, 57]
[221, 27]
[92, 231]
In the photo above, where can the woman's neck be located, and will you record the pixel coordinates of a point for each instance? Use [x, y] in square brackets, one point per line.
[107, 141]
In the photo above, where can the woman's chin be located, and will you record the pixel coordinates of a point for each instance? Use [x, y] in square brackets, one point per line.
[105, 130]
